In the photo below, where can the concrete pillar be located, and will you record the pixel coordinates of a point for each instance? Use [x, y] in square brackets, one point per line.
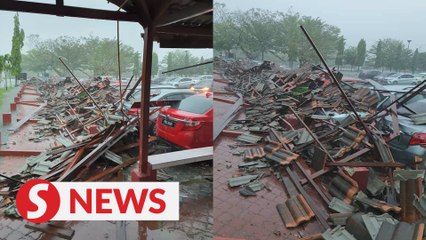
[7, 118]
[12, 107]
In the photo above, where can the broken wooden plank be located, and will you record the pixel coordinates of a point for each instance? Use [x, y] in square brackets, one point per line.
[112, 170]
[19, 124]
[367, 164]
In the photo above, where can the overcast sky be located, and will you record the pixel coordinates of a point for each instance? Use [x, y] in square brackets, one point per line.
[50, 27]
[368, 19]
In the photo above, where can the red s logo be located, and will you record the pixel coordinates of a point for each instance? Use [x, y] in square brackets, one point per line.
[38, 201]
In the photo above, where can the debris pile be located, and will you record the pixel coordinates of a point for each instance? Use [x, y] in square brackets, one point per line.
[94, 139]
[73, 111]
[301, 128]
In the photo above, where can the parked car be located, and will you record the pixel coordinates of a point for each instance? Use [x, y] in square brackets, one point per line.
[188, 124]
[158, 80]
[159, 97]
[411, 142]
[183, 82]
[203, 85]
[381, 77]
[399, 90]
[369, 74]
[412, 139]
[420, 76]
[401, 78]
[167, 80]
[206, 77]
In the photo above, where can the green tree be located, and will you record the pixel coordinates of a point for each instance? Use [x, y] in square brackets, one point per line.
[91, 56]
[178, 59]
[340, 52]
[361, 53]
[378, 62]
[288, 38]
[17, 44]
[350, 56]
[324, 35]
[422, 61]
[136, 65]
[2, 65]
[169, 62]
[395, 55]
[224, 30]
[154, 70]
[415, 60]
[257, 30]
[101, 56]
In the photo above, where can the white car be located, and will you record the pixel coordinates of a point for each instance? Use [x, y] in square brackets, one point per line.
[183, 82]
[402, 78]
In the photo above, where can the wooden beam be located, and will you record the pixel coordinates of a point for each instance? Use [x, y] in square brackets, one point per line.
[177, 158]
[143, 12]
[186, 42]
[19, 124]
[148, 40]
[185, 14]
[161, 10]
[366, 164]
[112, 170]
[22, 153]
[67, 11]
[188, 31]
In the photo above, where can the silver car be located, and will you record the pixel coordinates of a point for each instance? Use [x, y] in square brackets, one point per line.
[412, 139]
[184, 82]
[402, 78]
[410, 143]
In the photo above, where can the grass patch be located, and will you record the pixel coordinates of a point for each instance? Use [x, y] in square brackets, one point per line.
[3, 92]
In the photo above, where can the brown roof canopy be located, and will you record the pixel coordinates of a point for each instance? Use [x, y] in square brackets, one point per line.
[177, 23]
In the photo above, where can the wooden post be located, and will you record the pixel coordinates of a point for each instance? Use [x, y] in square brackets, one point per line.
[144, 171]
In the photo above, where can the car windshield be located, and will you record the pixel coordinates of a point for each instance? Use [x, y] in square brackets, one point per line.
[418, 107]
[195, 104]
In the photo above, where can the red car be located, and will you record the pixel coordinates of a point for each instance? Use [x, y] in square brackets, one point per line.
[188, 124]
